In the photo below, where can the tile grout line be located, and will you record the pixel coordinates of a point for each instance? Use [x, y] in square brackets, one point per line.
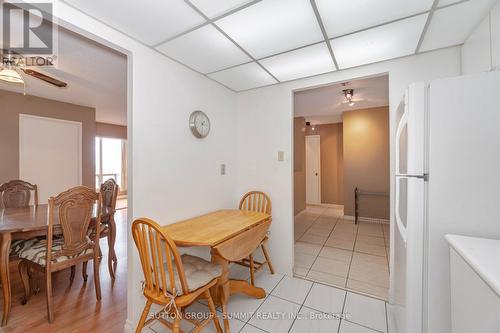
[323, 245]
[301, 306]
[352, 256]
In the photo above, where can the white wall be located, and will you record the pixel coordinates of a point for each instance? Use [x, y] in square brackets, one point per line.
[265, 127]
[172, 175]
[481, 51]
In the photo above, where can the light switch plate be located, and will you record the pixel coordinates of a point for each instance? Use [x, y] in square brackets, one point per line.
[281, 156]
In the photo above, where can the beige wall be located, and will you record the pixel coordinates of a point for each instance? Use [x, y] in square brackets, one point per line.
[331, 148]
[366, 160]
[111, 131]
[299, 165]
[13, 104]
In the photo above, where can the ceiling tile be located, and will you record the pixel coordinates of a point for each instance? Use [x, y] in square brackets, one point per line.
[243, 77]
[343, 17]
[303, 62]
[205, 50]
[385, 42]
[214, 8]
[452, 25]
[149, 21]
[269, 27]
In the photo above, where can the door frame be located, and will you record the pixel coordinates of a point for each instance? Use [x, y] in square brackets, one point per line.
[318, 137]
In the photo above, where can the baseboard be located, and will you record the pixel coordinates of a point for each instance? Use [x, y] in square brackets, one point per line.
[366, 219]
[300, 213]
[326, 205]
[129, 327]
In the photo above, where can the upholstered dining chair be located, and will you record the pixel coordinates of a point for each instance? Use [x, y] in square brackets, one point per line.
[257, 201]
[171, 280]
[74, 209]
[17, 194]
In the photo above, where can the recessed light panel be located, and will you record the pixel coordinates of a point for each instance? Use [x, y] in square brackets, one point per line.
[452, 25]
[343, 17]
[243, 77]
[308, 61]
[205, 50]
[272, 26]
[384, 42]
[214, 8]
[150, 21]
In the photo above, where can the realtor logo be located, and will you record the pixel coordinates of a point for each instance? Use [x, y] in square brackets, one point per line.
[27, 28]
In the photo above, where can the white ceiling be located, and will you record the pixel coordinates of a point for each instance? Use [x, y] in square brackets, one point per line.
[287, 39]
[96, 77]
[325, 105]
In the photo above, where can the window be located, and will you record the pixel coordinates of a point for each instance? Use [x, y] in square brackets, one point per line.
[110, 157]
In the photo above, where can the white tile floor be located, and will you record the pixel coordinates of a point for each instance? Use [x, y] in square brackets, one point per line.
[297, 306]
[338, 252]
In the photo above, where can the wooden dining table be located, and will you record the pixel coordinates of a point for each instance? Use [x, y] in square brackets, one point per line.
[24, 223]
[232, 235]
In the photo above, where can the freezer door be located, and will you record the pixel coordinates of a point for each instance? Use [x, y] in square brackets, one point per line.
[410, 132]
[406, 293]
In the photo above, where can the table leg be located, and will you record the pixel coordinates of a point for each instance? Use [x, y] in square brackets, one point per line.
[5, 240]
[221, 290]
[111, 246]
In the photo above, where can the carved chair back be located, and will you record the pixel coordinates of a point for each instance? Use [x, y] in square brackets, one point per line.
[158, 251]
[74, 209]
[109, 191]
[17, 193]
[256, 201]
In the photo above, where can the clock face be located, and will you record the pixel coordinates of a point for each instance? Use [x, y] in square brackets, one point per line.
[199, 124]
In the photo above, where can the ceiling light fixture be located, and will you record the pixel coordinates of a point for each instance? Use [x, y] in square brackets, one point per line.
[349, 94]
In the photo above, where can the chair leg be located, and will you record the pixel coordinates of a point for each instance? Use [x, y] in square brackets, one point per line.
[111, 254]
[252, 271]
[50, 301]
[84, 271]
[97, 281]
[72, 275]
[23, 271]
[213, 311]
[177, 325]
[144, 315]
[268, 259]
[225, 317]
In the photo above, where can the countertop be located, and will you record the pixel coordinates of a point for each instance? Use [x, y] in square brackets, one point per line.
[482, 254]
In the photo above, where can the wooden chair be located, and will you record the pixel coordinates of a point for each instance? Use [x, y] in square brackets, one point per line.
[109, 191]
[73, 209]
[258, 202]
[171, 280]
[17, 194]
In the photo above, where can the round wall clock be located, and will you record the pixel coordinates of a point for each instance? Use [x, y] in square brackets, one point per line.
[199, 124]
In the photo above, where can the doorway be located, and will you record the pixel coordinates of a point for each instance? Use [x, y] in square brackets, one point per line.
[313, 170]
[341, 185]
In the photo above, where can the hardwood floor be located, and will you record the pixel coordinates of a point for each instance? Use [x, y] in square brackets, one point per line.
[75, 305]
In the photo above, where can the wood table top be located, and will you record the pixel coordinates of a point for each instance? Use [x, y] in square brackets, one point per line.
[213, 228]
[30, 218]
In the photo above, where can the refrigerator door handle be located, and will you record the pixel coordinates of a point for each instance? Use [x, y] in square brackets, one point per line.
[399, 222]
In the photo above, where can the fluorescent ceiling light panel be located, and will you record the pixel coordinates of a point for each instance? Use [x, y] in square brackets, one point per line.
[243, 77]
[343, 17]
[205, 50]
[273, 26]
[452, 25]
[385, 42]
[149, 21]
[214, 8]
[308, 61]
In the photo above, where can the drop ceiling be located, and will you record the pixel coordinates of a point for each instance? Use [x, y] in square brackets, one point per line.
[248, 44]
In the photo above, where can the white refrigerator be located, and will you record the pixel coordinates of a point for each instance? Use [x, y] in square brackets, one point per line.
[447, 163]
